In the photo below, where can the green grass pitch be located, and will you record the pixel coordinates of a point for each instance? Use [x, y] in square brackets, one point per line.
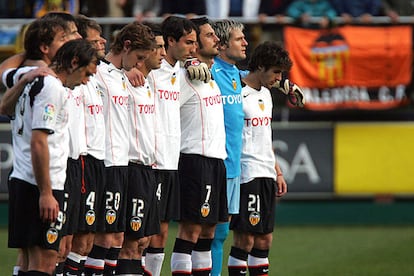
[313, 250]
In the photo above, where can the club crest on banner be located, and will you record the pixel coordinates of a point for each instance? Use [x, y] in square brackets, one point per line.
[340, 67]
[330, 55]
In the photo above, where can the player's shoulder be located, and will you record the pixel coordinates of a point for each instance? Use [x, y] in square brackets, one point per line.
[47, 84]
[12, 75]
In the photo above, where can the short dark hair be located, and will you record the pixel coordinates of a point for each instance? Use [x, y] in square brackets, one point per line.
[268, 54]
[84, 23]
[155, 28]
[199, 21]
[65, 17]
[79, 48]
[40, 32]
[141, 37]
[176, 27]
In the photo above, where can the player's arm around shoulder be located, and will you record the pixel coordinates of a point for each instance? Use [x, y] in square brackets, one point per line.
[12, 94]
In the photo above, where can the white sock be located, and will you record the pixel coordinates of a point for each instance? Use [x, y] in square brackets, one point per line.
[153, 263]
[201, 260]
[181, 262]
[16, 269]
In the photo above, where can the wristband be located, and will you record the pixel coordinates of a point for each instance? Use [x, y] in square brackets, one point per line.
[280, 174]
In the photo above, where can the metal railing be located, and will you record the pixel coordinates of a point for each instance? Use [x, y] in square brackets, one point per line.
[108, 22]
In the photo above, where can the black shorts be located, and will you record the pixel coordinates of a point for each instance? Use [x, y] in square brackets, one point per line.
[257, 207]
[142, 210]
[90, 193]
[111, 217]
[26, 229]
[168, 194]
[203, 189]
[71, 196]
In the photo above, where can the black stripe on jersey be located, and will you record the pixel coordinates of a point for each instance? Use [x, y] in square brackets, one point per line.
[9, 78]
[243, 83]
[105, 61]
[37, 86]
[48, 131]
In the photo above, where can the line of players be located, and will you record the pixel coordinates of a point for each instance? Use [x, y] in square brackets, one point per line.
[141, 156]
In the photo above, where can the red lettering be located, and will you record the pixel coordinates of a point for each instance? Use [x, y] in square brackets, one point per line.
[168, 95]
[95, 109]
[78, 100]
[146, 108]
[258, 121]
[212, 100]
[121, 100]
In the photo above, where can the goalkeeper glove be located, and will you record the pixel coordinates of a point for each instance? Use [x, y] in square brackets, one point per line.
[197, 70]
[294, 93]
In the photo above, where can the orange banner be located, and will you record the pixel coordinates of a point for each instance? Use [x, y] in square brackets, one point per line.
[351, 66]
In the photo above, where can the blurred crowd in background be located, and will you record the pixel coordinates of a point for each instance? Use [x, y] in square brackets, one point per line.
[300, 10]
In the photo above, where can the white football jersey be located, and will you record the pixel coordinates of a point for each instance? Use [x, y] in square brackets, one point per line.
[115, 108]
[12, 75]
[94, 118]
[202, 118]
[165, 83]
[42, 105]
[77, 140]
[258, 158]
[142, 119]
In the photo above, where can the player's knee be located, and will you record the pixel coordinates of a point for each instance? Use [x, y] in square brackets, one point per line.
[118, 239]
[82, 248]
[129, 249]
[142, 244]
[104, 240]
[65, 247]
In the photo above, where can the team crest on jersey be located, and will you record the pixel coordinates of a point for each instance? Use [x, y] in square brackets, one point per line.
[49, 112]
[212, 84]
[205, 210]
[173, 78]
[110, 216]
[99, 91]
[234, 84]
[135, 223]
[51, 235]
[254, 218]
[148, 92]
[261, 104]
[90, 217]
[123, 83]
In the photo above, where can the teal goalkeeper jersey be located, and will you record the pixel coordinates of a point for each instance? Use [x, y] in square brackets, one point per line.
[227, 77]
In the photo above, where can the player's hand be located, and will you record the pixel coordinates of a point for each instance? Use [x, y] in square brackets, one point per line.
[135, 77]
[197, 70]
[294, 93]
[38, 72]
[48, 207]
[281, 186]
